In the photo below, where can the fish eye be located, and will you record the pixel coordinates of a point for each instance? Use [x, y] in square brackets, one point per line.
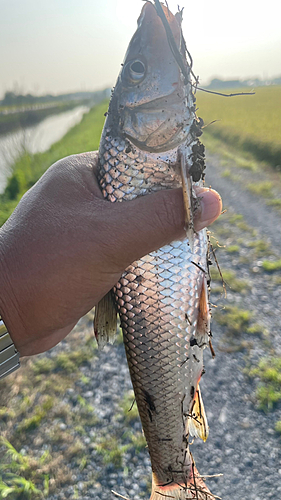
[134, 71]
[137, 67]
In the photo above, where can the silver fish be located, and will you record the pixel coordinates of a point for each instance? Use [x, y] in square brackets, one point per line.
[150, 142]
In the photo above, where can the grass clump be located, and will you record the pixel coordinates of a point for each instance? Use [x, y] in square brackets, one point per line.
[226, 173]
[261, 188]
[232, 248]
[243, 226]
[276, 280]
[248, 164]
[234, 319]
[275, 202]
[39, 412]
[129, 407]
[138, 441]
[238, 221]
[65, 361]
[69, 361]
[268, 372]
[16, 487]
[20, 477]
[43, 365]
[234, 218]
[278, 427]
[112, 450]
[230, 279]
[271, 266]
[236, 322]
[260, 247]
[86, 417]
[256, 329]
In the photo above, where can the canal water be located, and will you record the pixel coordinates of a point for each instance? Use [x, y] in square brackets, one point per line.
[35, 139]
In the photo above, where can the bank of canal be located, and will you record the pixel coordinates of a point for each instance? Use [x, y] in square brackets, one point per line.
[37, 138]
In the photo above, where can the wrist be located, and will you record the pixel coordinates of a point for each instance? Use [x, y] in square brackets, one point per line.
[8, 311]
[9, 356]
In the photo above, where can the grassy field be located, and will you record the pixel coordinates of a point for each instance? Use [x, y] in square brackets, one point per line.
[32, 399]
[249, 122]
[28, 168]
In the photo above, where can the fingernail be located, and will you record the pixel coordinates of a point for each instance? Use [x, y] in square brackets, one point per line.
[210, 208]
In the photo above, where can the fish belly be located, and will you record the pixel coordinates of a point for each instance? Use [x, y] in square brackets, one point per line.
[158, 298]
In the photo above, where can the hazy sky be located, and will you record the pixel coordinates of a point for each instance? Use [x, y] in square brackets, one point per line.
[66, 45]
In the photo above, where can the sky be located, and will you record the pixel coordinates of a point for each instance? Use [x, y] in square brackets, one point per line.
[59, 46]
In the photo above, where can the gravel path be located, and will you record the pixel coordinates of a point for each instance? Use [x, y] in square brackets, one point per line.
[242, 443]
[255, 211]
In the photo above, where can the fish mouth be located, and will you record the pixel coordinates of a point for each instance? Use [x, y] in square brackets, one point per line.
[159, 125]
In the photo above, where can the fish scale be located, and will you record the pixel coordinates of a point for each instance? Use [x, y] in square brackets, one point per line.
[162, 299]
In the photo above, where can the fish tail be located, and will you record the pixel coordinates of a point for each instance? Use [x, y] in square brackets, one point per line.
[195, 489]
[170, 491]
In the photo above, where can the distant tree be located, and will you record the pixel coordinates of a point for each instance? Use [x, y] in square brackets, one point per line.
[13, 99]
[13, 188]
[216, 83]
[277, 81]
[9, 99]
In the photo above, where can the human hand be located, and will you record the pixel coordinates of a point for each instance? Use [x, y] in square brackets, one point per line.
[64, 248]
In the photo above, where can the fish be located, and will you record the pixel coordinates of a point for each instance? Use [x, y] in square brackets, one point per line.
[150, 141]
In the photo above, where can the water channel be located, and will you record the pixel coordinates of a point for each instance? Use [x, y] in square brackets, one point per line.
[37, 138]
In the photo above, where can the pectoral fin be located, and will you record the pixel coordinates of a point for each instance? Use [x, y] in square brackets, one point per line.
[197, 421]
[105, 321]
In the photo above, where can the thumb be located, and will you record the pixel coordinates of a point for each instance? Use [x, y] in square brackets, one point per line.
[150, 222]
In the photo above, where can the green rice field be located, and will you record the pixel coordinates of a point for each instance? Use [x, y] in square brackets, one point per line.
[252, 122]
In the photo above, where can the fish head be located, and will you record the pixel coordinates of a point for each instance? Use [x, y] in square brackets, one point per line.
[152, 98]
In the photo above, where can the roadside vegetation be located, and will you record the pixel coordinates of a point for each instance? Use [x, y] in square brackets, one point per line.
[50, 430]
[29, 167]
[36, 420]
